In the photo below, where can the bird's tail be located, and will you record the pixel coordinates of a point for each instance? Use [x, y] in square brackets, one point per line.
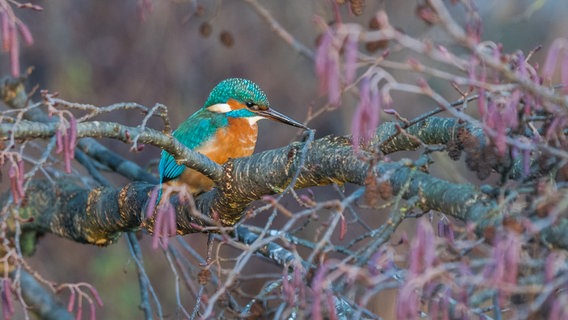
[161, 188]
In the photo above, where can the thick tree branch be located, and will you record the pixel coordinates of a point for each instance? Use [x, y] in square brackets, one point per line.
[99, 216]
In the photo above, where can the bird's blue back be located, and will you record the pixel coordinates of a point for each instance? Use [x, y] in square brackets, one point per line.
[193, 133]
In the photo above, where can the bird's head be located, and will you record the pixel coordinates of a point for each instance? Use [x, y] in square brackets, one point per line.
[242, 98]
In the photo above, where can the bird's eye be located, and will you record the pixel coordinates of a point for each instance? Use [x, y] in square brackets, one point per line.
[253, 106]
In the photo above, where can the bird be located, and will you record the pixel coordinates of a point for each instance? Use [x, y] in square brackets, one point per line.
[224, 127]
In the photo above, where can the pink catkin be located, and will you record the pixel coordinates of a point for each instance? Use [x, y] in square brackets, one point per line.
[555, 310]
[471, 70]
[79, 315]
[164, 225]
[71, 303]
[20, 178]
[434, 309]
[473, 29]
[551, 130]
[66, 152]
[550, 267]
[152, 202]
[381, 261]
[145, 7]
[172, 226]
[157, 226]
[551, 58]
[6, 35]
[95, 294]
[93, 312]
[505, 261]
[445, 231]
[287, 289]
[58, 142]
[331, 306]
[445, 309]
[66, 140]
[7, 305]
[556, 128]
[496, 121]
[298, 282]
[558, 308]
[375, 111]
[327, 68]
[526, 162]
[350, 58]
[72, 132]
[530, 105]
[564, 71]
[10, 40]
[495, 74]
[342, 227]
[26, 34]
[366, 117]
[422, 248]
[512, 255]
[333, 84]
[322, 58]
[407, 303]
[512, 113]
[481, 103]
[14, 53]
[355, 127]
[318, 291]
[422, 257]
[14, 183]
[522, 67]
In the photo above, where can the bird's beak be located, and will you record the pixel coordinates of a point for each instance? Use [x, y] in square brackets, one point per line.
[275, 115]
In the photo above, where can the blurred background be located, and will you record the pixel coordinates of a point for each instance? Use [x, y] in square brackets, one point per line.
[103, 52]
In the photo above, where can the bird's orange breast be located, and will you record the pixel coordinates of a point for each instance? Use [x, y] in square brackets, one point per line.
[237, 140]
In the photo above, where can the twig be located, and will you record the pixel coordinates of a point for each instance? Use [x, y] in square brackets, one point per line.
[143, 280]
[277, 28]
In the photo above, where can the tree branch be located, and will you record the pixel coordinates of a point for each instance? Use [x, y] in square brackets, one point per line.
[13, 94]
[41, 301]
[99, 216]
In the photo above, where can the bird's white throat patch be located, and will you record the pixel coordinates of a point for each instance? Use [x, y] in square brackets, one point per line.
[253, 120]
[220, 108]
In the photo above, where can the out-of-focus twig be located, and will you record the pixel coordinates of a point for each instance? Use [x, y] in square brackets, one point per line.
[279, 30]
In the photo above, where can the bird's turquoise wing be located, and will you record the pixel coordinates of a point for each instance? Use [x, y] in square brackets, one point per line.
[192, 133]
[168, 167]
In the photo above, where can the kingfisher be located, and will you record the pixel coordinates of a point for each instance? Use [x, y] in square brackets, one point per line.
[225, 127]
